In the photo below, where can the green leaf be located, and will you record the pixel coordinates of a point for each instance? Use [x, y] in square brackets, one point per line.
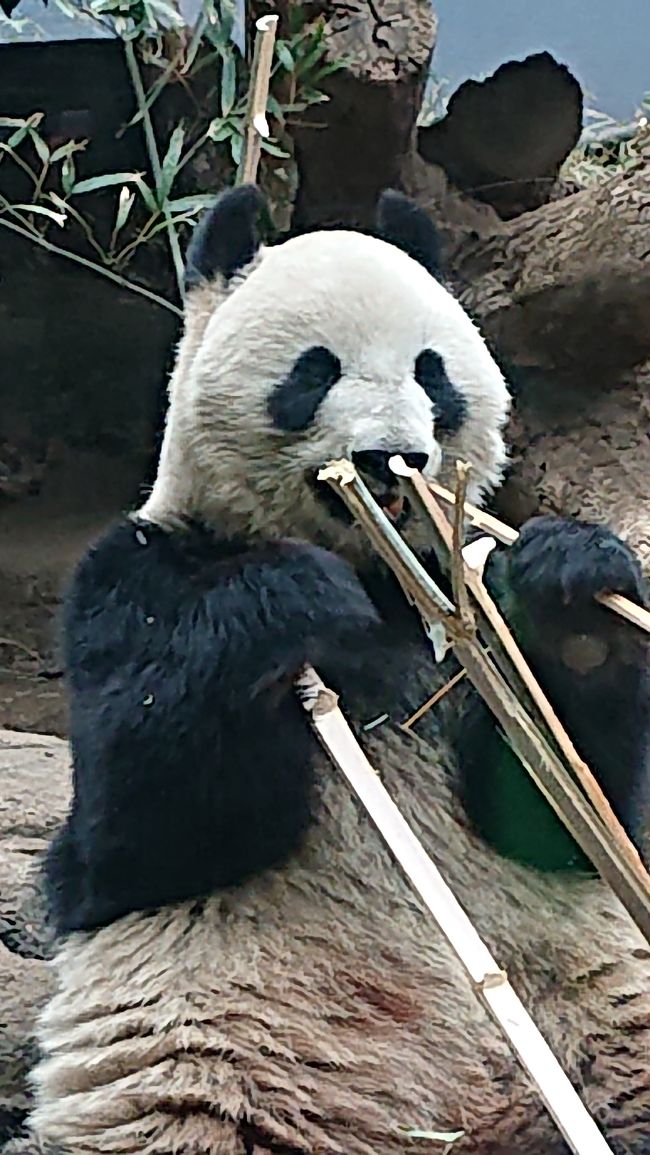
[12, 122]
[226, 20]
[196, 40]
[41, 211]
[215, 36]
[236, 147]
[68, 175]
[312, 96]
[306, 62]
[274, 107]
[159, 13]
[284, 55]
[93, 183]
[274, 149]
[17, 136]
[40, 146]
[228, 83]
[220, 130]
[64, 150]
[191, 204]
[147, 195]
[124, 206]
[169, 166]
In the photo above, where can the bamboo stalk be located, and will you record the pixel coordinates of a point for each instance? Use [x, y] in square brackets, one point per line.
[489, 980]
[623, 871]
[256, 124]
[637, 615]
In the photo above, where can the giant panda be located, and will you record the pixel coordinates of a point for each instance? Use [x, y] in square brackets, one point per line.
[240, 965]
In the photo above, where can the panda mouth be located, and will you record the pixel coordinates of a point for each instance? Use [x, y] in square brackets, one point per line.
[392, 503]
[395, 505]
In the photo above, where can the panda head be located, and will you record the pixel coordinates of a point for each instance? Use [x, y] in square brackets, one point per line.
[332, 344]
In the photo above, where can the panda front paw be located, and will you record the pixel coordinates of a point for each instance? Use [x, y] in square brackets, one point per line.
[567, 563]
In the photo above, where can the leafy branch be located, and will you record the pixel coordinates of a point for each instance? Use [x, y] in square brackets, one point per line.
[161, 54]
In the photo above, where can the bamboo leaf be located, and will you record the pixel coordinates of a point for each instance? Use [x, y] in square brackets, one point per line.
[18, 136]
[41, 211]
[191, 204]
[220, 130]
[169, 166]
[284, 55]
[274, 149]
[40, 146]
[147, 195]
[236, 147]
[68, 175]
[228, 83]
[94, 183]
[63, 151]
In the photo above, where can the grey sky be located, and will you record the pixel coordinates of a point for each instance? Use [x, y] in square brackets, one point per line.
[606, 45]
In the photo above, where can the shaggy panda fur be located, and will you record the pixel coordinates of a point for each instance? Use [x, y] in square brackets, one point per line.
[241, 966]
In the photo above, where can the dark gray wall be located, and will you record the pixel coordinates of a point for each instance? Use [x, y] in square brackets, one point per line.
[605, 43]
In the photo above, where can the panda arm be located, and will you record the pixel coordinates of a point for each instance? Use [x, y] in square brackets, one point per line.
[192, 757]
[592, 665]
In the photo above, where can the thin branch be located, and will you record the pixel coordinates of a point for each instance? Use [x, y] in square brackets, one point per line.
[433, 700]
[458, 585]
[95, 268]
[17, 159]
[154, 159]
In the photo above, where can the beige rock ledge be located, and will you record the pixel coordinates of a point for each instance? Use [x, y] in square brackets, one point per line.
[34, 793]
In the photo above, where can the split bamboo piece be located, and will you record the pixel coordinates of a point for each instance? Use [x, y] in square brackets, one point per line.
[488, 979]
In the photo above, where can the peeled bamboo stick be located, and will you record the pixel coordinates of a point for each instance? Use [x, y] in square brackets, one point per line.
[489, 980]
[622, 606]
[258, 93]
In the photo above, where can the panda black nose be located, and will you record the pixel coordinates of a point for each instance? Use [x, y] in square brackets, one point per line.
[374, 462]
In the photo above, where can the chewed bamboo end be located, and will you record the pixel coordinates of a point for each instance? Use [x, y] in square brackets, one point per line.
[399, 467]
[267, 23]
[341, 472]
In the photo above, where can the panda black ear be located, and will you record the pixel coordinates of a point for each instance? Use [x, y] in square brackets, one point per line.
[404, 224]
[226, 238]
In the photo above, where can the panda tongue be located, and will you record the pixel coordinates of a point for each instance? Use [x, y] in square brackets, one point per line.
[394, 507]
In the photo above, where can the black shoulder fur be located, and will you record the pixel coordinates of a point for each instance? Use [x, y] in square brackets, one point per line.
[192, 757]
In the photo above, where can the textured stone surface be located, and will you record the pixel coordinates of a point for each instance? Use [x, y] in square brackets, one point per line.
[34, 791]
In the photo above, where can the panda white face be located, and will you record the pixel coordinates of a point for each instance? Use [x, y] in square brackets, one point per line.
[334, 344]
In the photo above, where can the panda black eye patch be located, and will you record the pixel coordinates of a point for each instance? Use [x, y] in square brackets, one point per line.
[450, 407]
[294, 401]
